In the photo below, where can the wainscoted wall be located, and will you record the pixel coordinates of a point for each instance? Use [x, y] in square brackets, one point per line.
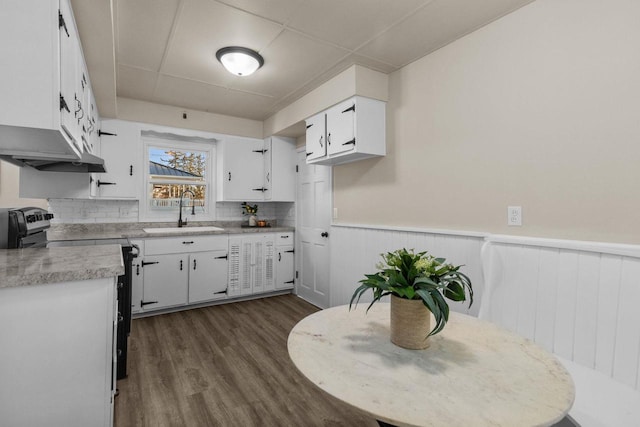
[355, 250]
[579, 300]
[77, 211]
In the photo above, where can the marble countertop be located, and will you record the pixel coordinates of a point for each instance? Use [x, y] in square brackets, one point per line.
[472, 374]
[136, 230]
[38, 266]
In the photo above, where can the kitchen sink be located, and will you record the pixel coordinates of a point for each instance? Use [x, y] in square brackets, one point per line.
[182, 229]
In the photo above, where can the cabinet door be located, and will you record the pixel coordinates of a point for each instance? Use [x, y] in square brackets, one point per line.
[208, 276]
[235, 245]
[121, 154]
[242, 171]
[69, 52]
[284, 267]
[316, 144]
[282, 179]
[165, 281]
[247, 266]
[341, 127]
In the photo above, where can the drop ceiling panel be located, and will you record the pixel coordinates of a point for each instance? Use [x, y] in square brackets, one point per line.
[290, 61]
[277, 10]
[215, 99]
[350, 23]
[143, 30]
[204, 27]
[136, 83]
[435, 25]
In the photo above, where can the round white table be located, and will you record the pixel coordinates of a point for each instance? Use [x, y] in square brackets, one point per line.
[472, 374]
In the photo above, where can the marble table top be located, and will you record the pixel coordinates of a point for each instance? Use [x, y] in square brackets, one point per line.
[472, 374]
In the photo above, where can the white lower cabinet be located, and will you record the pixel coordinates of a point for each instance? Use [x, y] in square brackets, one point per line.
[165, 282]
[251, 268]
[177, 271]
[208, 276]
[284, 261]
[284, 267]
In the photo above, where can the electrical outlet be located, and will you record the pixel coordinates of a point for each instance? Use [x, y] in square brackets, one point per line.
[514, 215]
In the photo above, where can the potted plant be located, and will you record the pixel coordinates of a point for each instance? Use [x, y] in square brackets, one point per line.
[418, 284]
[252, 211]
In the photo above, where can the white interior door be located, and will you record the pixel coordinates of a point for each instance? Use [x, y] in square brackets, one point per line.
[312, 232]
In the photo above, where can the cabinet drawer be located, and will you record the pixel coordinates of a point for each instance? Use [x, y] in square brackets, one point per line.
[284, 239]
[174, 245]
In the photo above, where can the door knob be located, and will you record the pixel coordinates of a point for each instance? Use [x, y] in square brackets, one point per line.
[324, 234]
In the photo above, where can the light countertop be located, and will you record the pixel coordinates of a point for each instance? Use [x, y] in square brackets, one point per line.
[38, 266]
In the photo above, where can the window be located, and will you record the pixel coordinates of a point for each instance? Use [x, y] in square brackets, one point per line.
[175, 170]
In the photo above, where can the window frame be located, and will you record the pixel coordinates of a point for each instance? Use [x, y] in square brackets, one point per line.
[178, 143]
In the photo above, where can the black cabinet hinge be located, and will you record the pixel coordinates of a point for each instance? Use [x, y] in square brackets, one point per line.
[297, 168]
[352, 108]
[62, 24]
[100, 133]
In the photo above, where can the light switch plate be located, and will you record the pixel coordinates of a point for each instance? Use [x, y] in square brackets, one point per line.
[514, 215]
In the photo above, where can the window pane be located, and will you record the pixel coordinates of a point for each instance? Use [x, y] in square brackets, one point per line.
[175, 164]
[167, 196]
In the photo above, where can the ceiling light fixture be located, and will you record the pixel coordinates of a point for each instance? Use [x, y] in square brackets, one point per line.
[240, 61]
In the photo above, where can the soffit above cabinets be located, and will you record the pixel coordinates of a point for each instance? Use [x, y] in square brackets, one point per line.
[165, 50]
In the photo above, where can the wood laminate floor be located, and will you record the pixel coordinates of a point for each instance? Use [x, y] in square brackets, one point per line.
[225, 365]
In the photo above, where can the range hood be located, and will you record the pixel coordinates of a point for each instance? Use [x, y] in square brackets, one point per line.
[86, 164]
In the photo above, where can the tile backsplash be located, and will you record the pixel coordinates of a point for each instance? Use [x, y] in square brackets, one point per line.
[80, 211]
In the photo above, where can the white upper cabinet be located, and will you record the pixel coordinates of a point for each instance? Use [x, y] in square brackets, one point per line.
[316, 144]
[280, 169]
[351, 130]
[120, 147]
[240, 169]
[256, 170]
[39, 108]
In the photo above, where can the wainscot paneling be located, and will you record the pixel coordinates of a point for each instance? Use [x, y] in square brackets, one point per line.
[578, 300]
[355, 250]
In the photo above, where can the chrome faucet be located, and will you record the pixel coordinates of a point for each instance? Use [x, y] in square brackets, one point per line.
[182, 223]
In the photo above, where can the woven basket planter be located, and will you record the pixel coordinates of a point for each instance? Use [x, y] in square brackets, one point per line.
[410, 323]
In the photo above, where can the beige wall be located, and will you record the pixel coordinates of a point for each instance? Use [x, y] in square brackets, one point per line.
[538, 109]
[166, 115]
[9, 188]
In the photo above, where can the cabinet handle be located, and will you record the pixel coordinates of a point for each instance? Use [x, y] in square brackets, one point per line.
[63, 104]
[308, 126]
[293, 251]
[105, 183]
[180, 265]
[194, 264]
[321, 137]
[137, 269]
[189, 242]
[130, 170]
[100, 133]
[352, 108]
[260, 151]
[279, 257]
[260, 189]
[149, 263]
[290, 281]
[353, 141]
[324, 234]
[268, 177]
[329, 139]
[308, 154]
[229, 176]
[284, 236]
[222, 257]
[143, 303]
[62, 24]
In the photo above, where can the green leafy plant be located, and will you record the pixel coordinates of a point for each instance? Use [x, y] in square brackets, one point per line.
[248, 209]
[417, 276]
